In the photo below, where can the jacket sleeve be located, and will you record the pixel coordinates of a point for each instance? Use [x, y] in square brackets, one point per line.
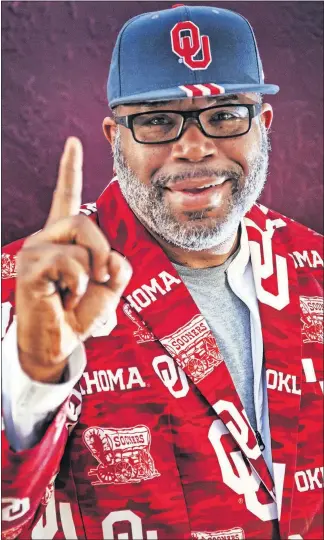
[26, 474]
[27, 405]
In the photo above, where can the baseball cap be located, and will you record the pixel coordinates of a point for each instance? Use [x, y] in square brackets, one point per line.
[185, 51]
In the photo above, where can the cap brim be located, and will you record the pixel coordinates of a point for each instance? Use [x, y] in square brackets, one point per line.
[197, 90]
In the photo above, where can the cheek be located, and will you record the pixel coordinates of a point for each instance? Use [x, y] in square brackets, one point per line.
[243, 150]
[143, 160]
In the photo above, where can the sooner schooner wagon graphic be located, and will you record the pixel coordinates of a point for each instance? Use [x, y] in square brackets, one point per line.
[195, 348]
[123, 454]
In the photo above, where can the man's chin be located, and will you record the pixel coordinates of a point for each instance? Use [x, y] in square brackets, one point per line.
[197, 233]
[208, 217]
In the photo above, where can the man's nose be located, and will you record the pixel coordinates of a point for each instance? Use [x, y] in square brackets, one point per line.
[193, 145]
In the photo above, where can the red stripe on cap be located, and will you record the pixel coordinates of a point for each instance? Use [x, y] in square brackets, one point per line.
[195, 91]
[214, 89]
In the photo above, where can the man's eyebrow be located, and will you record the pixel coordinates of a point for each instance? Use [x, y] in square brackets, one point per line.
[152, 104]
[228, 97]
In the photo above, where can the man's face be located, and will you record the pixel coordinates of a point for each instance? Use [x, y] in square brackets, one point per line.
[166, 185]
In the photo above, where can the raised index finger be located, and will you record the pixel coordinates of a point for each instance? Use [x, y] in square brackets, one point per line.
[67, 195]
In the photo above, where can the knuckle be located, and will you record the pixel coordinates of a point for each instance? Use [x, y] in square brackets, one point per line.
[59, 259]
[69, 223]
[25, 257]
[79, 225]
[26, 271]
[80, 221]
[102, 251]
[25, 277]
[82, 256]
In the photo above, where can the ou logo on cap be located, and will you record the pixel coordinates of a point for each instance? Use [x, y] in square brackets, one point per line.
[187, 47]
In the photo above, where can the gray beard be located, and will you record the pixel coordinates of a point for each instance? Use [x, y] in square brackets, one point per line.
[199, 232]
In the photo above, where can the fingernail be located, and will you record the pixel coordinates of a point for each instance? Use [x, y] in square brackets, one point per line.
[105, 278]
[83, 284]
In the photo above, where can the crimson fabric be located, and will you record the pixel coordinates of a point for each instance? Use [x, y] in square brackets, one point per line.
[162, 448]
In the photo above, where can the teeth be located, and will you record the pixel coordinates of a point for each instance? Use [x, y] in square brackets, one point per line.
[217, 183]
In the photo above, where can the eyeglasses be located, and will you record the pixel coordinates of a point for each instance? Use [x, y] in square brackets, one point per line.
[218, 122]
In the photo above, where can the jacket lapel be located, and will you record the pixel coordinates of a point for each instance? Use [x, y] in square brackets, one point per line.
[277, 291]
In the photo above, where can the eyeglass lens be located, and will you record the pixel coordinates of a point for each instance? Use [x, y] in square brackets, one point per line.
[160, 126]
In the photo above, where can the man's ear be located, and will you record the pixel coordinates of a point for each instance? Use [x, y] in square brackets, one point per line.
[266, 115]
[109, 127]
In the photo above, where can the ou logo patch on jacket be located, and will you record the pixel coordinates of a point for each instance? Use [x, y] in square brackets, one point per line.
[188, 47]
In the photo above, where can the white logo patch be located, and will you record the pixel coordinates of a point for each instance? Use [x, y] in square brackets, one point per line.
[123, 454]
[236, 533]
[171, 375]
[8, 266]
[14, 508]
[142, 334]
[195, 347]
[312, 318]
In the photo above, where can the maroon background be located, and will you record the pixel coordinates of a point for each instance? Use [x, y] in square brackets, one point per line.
[55, 64]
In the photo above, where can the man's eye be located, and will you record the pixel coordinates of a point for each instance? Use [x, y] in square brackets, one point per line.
[161, 120]
[220, 116]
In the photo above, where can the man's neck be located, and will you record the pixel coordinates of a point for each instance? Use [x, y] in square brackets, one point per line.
[200, 259]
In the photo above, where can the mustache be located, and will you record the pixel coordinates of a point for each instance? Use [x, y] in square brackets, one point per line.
[161, 180]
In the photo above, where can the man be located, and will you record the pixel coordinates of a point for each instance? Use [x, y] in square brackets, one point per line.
[163, 367]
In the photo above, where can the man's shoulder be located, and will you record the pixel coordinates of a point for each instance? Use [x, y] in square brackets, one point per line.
[296, 225]
[303, 244]
[300, 236]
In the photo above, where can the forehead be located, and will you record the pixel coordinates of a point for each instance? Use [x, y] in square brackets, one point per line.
[187, 103]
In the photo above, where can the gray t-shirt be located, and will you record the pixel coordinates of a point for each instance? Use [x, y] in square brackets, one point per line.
[229, 321]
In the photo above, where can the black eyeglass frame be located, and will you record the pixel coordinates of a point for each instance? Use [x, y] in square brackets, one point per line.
[128, 120]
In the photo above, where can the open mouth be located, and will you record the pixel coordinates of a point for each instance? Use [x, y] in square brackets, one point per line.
[199, 194]
[202, 189]
[198, 185]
